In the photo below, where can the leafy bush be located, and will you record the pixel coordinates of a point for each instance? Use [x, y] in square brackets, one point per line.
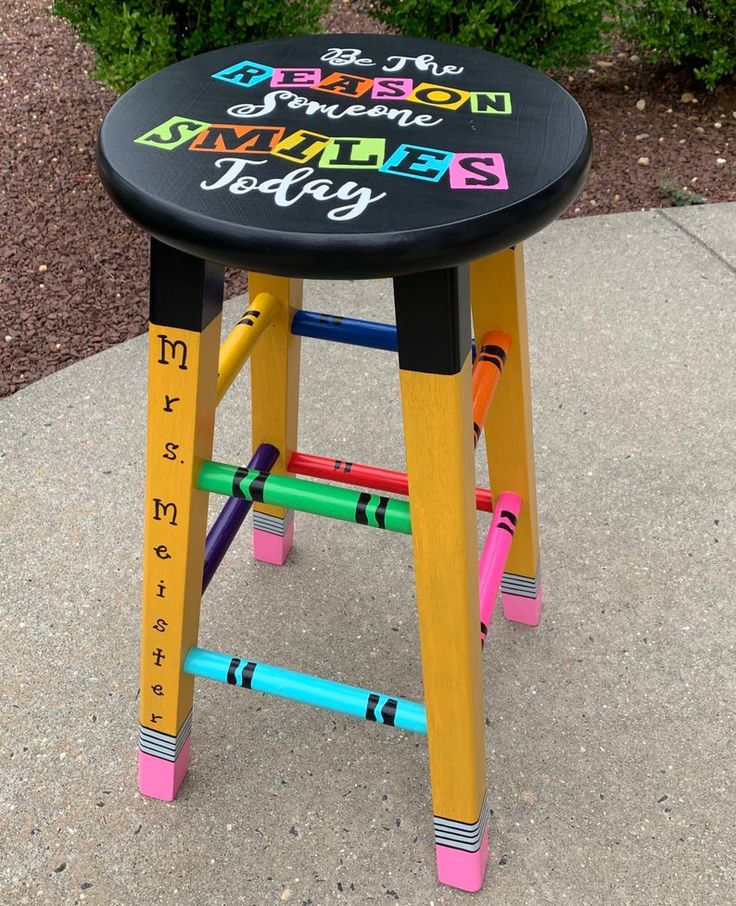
[133, 39]
[699, 34]
[543, 33]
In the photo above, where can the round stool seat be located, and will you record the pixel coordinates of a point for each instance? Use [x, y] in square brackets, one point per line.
[344, 156]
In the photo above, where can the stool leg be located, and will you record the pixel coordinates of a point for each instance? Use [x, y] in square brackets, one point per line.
[433, 321]
[184, 336]
[499, 303]
[275, 402]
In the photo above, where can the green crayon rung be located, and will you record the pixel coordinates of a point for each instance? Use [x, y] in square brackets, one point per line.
[306, 496]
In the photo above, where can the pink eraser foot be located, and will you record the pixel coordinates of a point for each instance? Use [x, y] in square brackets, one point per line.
[160, 778]
[521, 609]
[461, 869]
[269, 546]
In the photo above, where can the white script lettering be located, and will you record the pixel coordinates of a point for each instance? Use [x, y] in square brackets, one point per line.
[344, 56]
[424, 63]
[331, 111]
[288, 190]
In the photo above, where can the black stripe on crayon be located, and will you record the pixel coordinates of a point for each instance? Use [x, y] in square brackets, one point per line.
[508, 515]
[493, 361]
[506, 528]
[493, 350]
[234, 664]
[239, 475]
[248, 672]
[348, 466]
[388, 712]
[370, 711]
[361, 516]
[255, 489]
[248, 315]
[381, 512]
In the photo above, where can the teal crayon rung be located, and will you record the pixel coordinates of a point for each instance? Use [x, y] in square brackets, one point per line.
[311, 690]
[315, 497]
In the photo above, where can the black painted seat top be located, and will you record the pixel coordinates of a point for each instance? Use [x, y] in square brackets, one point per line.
[344, 156]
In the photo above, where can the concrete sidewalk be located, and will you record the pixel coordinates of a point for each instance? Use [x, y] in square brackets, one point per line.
[610, 727]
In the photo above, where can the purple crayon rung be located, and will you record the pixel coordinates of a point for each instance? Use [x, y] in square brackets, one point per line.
[225, 527]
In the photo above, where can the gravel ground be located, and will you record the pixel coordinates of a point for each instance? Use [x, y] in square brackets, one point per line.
[73, 270]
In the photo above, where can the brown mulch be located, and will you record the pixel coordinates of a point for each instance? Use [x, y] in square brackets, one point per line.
[73, 270]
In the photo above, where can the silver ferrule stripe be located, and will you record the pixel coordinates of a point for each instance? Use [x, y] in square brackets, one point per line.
[459, 834]
[520, 585]
[163, 745]
[274, 525]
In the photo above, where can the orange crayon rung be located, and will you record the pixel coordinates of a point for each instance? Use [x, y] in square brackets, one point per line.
[486, 374]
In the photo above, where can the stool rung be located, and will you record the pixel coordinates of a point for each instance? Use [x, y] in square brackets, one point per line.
[494, 556]
[225, 527]
[305, 496]
[486, 374]
[302, 687]
[355, 331]
[365, 476]
[242, 338]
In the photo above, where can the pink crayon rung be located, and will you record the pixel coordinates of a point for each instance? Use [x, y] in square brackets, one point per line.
[495, 552]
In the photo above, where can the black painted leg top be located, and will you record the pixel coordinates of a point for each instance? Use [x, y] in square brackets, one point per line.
[186, 292]
[433, 320]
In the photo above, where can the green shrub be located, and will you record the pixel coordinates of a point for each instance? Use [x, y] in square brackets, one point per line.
[134, 39]
[543, 33]
[699, 34]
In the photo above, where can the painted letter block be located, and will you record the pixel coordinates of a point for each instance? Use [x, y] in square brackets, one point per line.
[354, 153]
[174, 132]
[393, 89]
[246, 74]
[439, 96]
[301, 145]
[350, 86]
[490, 102]
[478, 171]
[238, 139]
[418, 162]
[290, 77]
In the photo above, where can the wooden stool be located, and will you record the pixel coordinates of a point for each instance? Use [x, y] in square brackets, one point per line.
[344, 157]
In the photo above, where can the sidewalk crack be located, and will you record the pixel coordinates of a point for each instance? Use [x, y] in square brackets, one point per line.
[662, 212]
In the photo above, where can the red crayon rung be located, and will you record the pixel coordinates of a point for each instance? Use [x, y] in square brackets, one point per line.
[365, 476]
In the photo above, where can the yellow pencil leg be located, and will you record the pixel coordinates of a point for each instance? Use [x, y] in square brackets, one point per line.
[433, 319]
[498, 298]
[184, 336]
[275, 401]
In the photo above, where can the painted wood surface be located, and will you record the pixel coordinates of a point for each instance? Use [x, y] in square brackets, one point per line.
[306, 157]
[181, 404]
[439, 454]
[499, 303]
[274, 370]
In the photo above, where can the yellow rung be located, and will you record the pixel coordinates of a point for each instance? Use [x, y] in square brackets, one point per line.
[242, 338]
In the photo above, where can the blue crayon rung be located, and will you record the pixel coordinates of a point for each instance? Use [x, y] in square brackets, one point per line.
[355, 331]
[302, 687]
